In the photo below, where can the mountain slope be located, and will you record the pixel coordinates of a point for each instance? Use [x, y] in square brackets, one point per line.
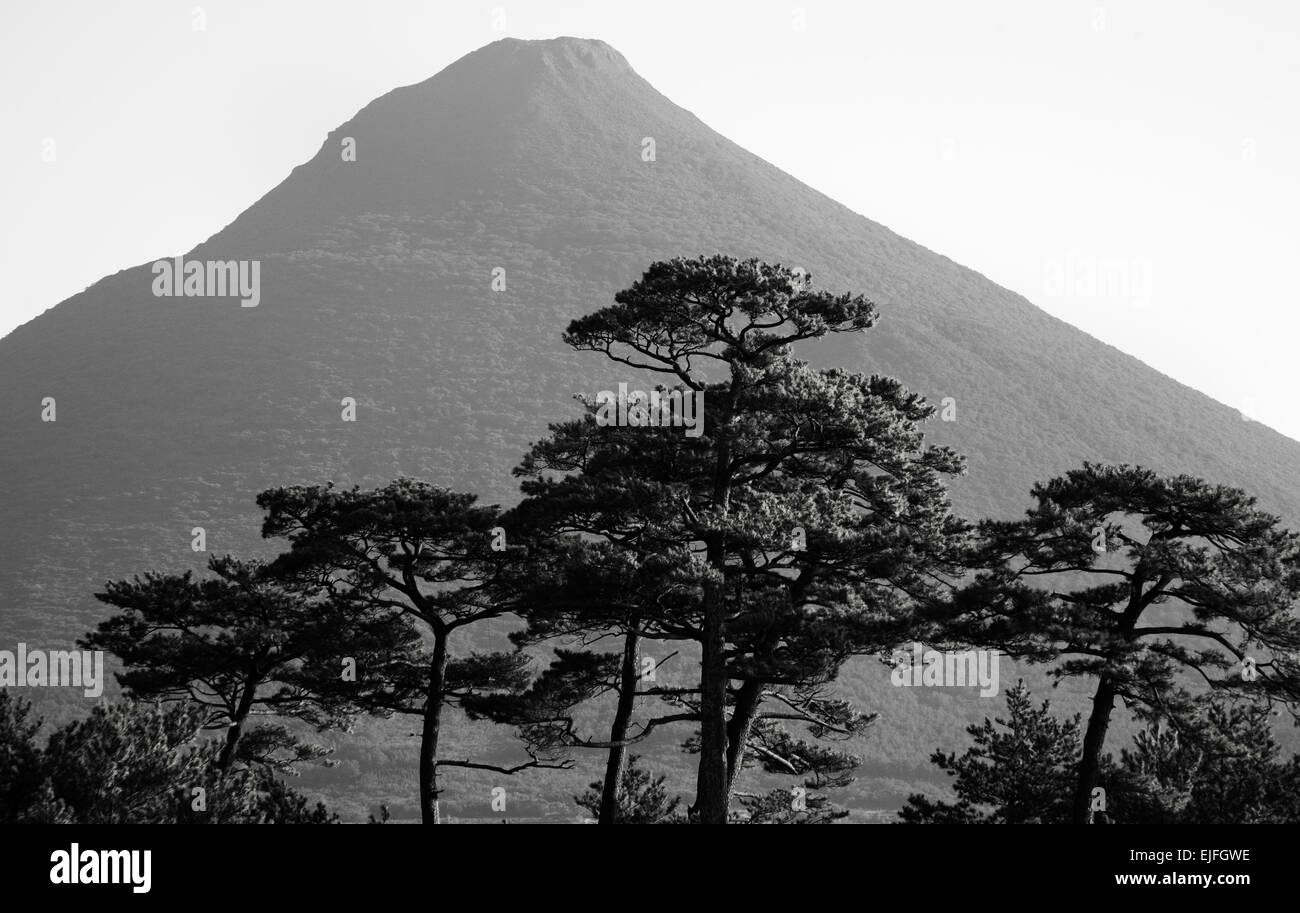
[376, 284]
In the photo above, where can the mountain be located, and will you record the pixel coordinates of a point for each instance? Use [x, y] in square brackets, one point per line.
[376, 283]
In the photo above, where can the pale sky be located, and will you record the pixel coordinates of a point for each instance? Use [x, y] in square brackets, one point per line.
[1131, 167]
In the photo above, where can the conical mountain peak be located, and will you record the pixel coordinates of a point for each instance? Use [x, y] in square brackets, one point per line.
[562, 53]
[511, 113]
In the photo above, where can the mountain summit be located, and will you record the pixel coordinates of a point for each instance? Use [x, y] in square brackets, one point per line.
[428, 279]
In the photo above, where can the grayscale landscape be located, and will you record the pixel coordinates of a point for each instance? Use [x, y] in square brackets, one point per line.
[431, 278]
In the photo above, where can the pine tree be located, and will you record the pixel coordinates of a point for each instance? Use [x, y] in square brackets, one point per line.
[1020, 770]
[1149, 577]
[1218, 765]
[804, 522]
[641, 797]
[139, 763]
[397, 560]
[20, 757]
[231, 643]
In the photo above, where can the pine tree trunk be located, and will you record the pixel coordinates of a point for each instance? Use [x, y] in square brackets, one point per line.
[742, 721]
[1089, 764]
[711, 780]
[628, 678]
[429, 812]
[236, 730]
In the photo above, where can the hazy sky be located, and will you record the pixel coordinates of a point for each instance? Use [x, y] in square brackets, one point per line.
[1133, 168]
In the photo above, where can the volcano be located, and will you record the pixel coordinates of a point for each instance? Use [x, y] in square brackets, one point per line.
[421, 267]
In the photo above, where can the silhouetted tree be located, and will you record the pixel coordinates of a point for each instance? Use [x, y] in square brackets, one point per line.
[1147, 577]
[1020, 770]
[801, 526]
[135, 763]
[1220, 765]
[232, 644]
[408, 554]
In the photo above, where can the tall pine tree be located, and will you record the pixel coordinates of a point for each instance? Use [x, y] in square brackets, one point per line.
[803, 523]
[1145, 580]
